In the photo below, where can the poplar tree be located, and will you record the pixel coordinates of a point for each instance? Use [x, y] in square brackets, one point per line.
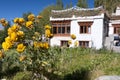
[59, 4]
[82, 3]
[109, 5]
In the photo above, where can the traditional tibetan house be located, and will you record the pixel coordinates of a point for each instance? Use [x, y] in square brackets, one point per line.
[90, 25]
[113, 40]
[115, 22]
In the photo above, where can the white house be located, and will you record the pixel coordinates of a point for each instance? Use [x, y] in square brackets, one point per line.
[90, 25]
[112, 42]
[115, 22]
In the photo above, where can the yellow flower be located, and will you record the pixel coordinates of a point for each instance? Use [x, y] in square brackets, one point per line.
[73, 36]
[36, 44]
[76, 43]
[45, 45]
[69, 42]
[16, 20]
[29, 24]
[47, 33]
[22, 58]
[47, 27]
[20, 48]
[5, 24]
[8, 40]
[1, 54]
[14, 36]
[6, 45]
[31, 17]
[41, 44]
[20, 33]
[2, 20]
[39, 17]
[21, 20]
[9, 31]
[15, 27]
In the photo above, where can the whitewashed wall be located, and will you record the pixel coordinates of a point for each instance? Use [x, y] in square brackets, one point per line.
[111, 29]
[97, 33]
[56, 41]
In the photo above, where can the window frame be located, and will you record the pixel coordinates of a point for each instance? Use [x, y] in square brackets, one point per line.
[116, 27]
[85, 27]
[84, 44]
[60, 25]
[62, 43]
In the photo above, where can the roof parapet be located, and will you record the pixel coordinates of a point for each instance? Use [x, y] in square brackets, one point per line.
[78, 9]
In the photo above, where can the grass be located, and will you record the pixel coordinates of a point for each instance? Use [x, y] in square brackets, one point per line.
[83, 64]
[88, 62]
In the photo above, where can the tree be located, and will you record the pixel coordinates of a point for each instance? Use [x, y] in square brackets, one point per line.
[46, 14]
[69, 5]
[37, 26]
[59, 4]
[25, 15]
[109, 5]
[82, 3]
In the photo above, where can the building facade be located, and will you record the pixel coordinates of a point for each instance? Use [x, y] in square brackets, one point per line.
[115, 22]
[112, 42]
[90, 25]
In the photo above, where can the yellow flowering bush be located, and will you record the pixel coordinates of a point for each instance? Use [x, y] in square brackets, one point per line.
[19, 21]
[6, 45]
[48, 31]
[20, 34]
[4, 22]
[73, 42]
[39, 17]
[47, 27]
[69, 42]
[76, 43]
[73, 36]
[20, 48]
[29, 24]
[31, 17]
[30, 46]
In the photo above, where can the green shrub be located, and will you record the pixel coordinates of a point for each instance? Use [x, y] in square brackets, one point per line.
[23, 76]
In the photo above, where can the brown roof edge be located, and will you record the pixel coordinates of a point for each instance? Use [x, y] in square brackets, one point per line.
[115, 17]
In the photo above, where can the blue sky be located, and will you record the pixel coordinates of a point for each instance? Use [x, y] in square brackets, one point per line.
[10, 9]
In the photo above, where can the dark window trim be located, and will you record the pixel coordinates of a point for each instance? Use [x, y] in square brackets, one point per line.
[84, 44]
[84, 27]
[60, 24]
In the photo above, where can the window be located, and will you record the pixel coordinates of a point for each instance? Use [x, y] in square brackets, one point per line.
[68, 29]
[116, 28]
[85, 27]
[54, 30]
[64, 43]
[61, 27]
[84, 44]
[63, 30]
